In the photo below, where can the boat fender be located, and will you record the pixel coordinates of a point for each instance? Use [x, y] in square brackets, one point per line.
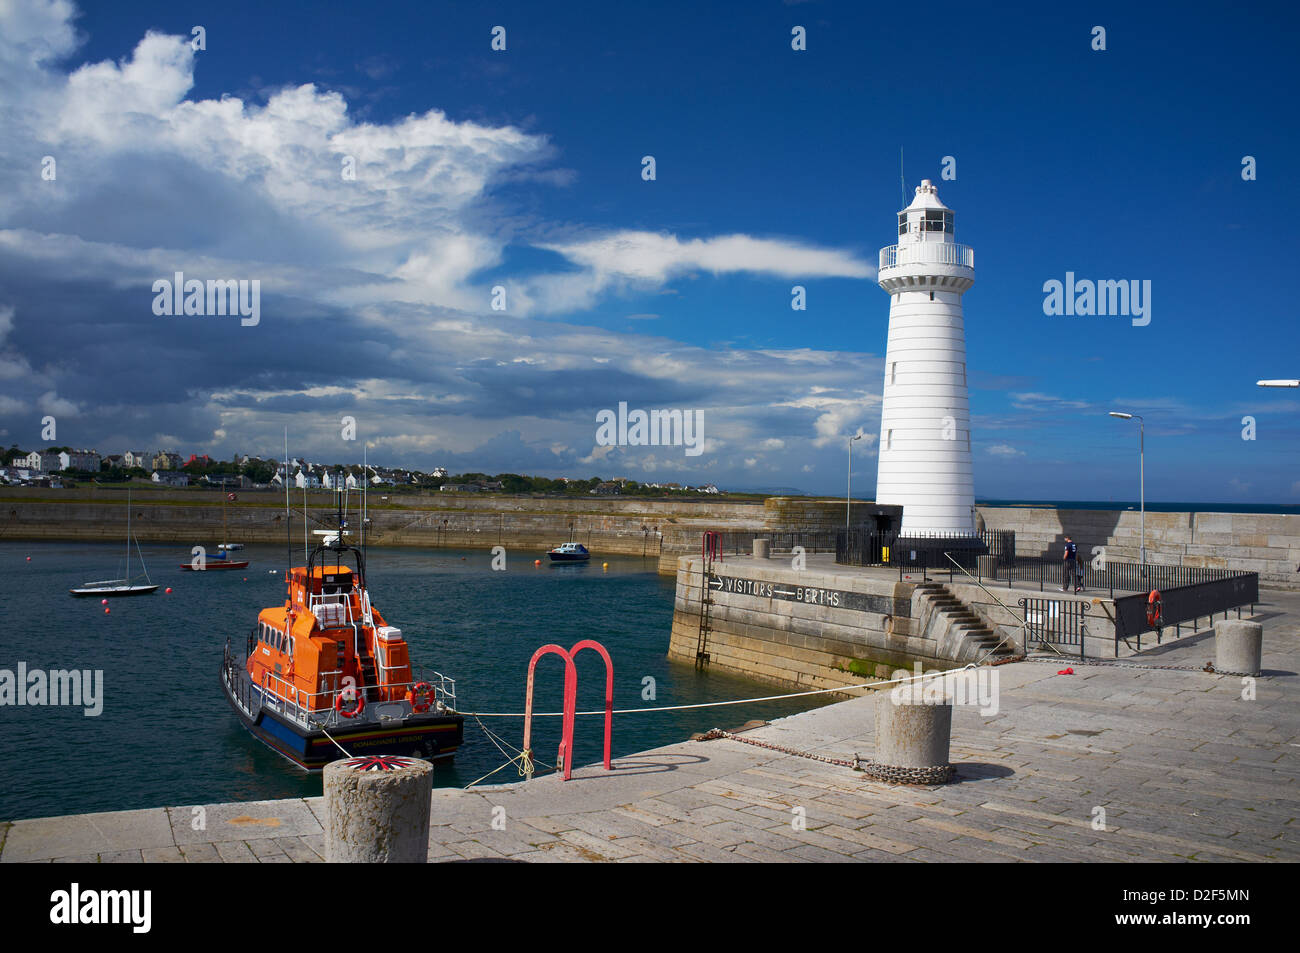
[343, 709]
[420, 697]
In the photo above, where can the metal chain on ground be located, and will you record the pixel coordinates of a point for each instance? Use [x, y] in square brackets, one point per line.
[893, 774]
[719, 733]
[1108, 663]
[888, 773]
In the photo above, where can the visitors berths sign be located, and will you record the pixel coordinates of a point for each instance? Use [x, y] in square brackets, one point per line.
[808, 595]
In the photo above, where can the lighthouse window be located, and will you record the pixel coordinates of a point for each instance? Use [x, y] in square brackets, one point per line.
[934, 222]
[947, 222]
[902, 224]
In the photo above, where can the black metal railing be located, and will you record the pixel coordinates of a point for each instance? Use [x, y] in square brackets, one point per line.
[922, 551]
[741, 543]
[1111, 576]
[1183, 605]
[1059, 622]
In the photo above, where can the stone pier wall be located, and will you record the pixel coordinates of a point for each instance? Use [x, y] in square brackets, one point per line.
[806, 629]
[1268, 544]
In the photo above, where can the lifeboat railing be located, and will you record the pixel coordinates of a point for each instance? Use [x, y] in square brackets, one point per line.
[335, 599]
[317, 708]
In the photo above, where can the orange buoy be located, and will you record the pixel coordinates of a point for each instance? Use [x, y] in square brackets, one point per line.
[537, 562]
[107, 610]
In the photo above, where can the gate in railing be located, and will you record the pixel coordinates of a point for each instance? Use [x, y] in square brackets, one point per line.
[1058, 622]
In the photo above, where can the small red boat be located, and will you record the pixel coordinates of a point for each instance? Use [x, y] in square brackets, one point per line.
[216, 562]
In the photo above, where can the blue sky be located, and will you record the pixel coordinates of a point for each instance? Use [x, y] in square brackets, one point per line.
[522, 169]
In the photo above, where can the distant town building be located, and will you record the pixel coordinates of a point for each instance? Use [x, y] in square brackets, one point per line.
[306, 481]
[171, 478]
[202, 460]
[116, 461]
[459, 488]
[42, 462]
[137, 458]
[439, 473]
[166, 460]
[78, 460]
[608, 488]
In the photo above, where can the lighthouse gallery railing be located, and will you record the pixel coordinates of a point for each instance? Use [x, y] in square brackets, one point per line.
[927, 253]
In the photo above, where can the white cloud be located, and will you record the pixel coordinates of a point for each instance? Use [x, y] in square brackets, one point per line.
[1005, 450]
[383, 275]
[648, 256]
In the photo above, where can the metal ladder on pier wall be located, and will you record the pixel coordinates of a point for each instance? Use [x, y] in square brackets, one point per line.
[710, 548]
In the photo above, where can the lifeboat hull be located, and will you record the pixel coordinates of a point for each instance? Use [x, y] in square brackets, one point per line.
[434, 737]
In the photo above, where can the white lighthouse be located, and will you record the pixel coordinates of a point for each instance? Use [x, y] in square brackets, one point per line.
[924, 449]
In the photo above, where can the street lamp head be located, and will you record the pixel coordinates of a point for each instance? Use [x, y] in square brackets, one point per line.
[1115, 413]
[1281, 383]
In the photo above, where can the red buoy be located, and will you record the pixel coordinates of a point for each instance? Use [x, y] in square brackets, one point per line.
[168, 589]
[107, 611]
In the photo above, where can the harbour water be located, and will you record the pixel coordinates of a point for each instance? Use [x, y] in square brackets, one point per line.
[167, 736]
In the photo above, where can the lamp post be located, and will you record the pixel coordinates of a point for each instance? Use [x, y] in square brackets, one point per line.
[1283, 383]
[848, 493]
[1142, 480]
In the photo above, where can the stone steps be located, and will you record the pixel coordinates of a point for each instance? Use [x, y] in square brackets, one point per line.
[966, 624]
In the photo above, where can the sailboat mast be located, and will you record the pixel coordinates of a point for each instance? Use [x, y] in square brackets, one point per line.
[128, 534]
[288, 532]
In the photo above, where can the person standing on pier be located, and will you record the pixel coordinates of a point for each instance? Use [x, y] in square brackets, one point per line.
[1069, 566]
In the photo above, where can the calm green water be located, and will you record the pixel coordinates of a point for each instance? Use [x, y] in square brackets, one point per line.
[167, 736]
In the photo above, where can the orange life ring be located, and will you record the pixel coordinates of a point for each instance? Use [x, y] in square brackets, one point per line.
[1153, 608]
[420, 697]
[357, 696]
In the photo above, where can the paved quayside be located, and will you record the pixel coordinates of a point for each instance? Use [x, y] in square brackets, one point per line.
[1183, 766]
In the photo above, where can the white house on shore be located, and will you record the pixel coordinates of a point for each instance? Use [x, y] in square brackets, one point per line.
[79, 460]
[42, 462]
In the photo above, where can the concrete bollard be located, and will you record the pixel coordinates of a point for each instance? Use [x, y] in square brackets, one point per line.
[377, 810]
[1238, 646]
[762, 548]
[988, 567]
[911, 741]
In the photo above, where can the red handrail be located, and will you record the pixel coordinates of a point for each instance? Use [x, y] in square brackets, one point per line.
[609, 690]
[564, 759]
[711, 545]
[565, 755]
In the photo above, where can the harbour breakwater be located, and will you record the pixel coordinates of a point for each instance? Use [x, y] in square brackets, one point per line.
[655, 529]
[661, 529]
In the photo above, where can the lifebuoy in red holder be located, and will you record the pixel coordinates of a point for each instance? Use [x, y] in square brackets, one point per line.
[1153, 609]
[342, 708]
[420, 697]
